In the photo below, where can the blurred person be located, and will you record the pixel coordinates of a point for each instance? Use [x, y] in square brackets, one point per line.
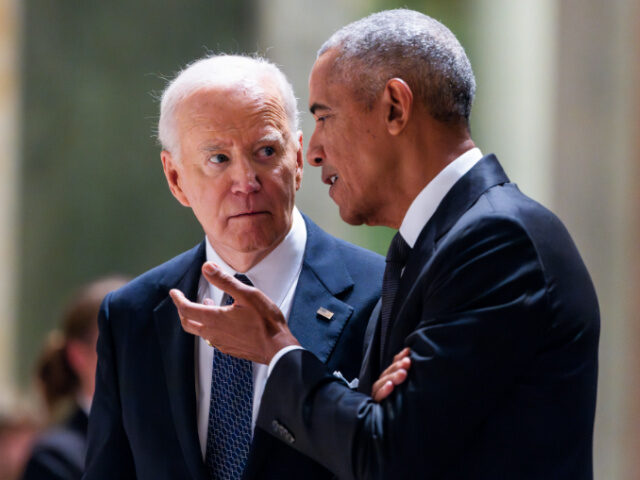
[167, 405]
[18, 431]
[66, 376]
[484, 295]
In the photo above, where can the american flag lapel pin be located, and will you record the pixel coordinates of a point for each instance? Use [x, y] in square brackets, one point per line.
[324, 313]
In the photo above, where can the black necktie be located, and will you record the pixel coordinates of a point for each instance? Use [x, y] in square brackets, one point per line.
[396, 259]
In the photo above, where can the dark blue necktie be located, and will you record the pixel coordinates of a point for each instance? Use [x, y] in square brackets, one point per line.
[396, 259]
[229, 431]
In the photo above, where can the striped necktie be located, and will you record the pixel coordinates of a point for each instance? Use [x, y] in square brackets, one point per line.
[396, 259]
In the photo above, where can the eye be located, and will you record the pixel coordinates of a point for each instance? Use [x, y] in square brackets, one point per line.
[266, 152]
[218, 158]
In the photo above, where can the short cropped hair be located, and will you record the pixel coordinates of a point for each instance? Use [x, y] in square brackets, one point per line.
[217, 70]
[410, 45]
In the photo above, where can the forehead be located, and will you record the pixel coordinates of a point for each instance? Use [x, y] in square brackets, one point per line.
[320, 76]
[232, 109]
[327, 88]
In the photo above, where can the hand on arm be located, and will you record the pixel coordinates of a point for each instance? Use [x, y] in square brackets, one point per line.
[394, 375]
[253, 327]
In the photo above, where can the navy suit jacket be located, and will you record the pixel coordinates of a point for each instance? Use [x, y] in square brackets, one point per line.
[143, 417]
[59, 453]
[502, 320]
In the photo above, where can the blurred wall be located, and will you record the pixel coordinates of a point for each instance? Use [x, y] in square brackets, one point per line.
[596, 183]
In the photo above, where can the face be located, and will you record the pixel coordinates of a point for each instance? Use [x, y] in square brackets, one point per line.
[239, 168]
[349, 144]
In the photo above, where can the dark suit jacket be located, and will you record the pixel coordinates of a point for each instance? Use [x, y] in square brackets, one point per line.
[59, 453]
[143, 417]
[502, 319]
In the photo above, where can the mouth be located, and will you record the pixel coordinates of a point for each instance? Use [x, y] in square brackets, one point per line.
[330, 179]
[249, 214]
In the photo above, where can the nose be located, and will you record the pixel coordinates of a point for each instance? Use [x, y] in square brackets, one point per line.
[315, 151]
[244, 176]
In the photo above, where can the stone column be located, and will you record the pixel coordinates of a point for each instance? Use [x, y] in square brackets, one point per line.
[596, 192]
[513, 54]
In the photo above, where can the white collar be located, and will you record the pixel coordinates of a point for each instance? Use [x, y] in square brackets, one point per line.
[425, 204]
[274, 274]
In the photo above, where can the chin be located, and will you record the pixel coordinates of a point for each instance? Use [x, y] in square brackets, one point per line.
[352, 218]
[255, 240]
[247, 244]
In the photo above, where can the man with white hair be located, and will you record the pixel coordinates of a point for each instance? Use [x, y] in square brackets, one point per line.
[483, 285]
[168, 405]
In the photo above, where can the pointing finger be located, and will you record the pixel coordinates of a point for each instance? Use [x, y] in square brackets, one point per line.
[243, 294]
[225, 282]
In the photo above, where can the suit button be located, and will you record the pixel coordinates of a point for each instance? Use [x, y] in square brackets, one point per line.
[281, 431]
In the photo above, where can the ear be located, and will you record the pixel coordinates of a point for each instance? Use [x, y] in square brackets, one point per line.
[397, 101]
[299, 161]
[172, 173]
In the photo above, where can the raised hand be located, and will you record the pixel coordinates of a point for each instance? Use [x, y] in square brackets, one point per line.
[253, 327]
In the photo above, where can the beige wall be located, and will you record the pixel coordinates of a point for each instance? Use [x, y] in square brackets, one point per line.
[596, 174]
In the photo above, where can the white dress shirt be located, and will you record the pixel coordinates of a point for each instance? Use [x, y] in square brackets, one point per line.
[425, 204]
[276, 276]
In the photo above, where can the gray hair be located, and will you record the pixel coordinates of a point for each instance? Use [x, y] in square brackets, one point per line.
[220, 70]
[410, 45]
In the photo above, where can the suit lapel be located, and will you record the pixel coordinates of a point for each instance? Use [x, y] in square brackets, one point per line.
[485, 174]
[322, 278]
[178, 360]
[371, 356]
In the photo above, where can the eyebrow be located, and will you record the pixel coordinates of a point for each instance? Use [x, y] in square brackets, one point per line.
[212, 147]
[318, 106]
[271, 137]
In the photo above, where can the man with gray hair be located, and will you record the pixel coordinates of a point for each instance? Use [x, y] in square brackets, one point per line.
[485, 300]
[167, 404]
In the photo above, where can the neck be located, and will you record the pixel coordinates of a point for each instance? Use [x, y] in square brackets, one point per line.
[242, 261]
[425, 154]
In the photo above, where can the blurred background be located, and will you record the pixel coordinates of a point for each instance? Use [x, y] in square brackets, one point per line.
[82, 192]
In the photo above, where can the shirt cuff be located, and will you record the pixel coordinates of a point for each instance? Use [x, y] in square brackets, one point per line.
[279, 355]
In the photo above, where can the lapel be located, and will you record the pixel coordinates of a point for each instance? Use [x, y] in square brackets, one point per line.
[178, 357]
[322, 279]
[485, 174]
[371, 356]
